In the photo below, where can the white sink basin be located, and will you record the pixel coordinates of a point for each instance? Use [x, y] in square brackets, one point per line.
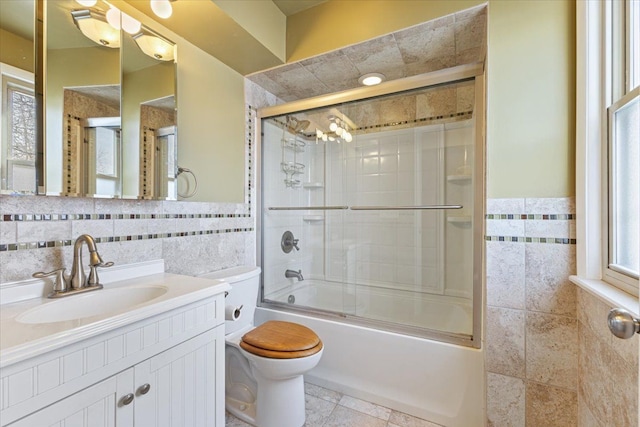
[93, 303]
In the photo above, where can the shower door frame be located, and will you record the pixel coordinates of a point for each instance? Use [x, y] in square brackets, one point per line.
[451, 75]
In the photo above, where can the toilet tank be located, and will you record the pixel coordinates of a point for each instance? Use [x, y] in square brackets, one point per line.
[244, 282]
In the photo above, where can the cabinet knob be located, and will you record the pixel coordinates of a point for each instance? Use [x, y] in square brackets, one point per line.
[127, 399]
[144, 389]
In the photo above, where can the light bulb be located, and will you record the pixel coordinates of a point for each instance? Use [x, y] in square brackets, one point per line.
[162, 8]
[324, 137]
[318, 133]
[339, 131]
[331, 139]
[114, 17]
[87, 3]
[130, 25]
[333, 126]
[347, 137]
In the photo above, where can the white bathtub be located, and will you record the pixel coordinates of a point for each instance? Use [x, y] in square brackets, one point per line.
[440, 382]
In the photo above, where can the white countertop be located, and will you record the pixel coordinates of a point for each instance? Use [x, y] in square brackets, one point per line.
[20, 341]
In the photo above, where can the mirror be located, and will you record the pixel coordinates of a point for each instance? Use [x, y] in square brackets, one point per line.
[82, 101]
[98, 110]
[149, 115]
[17, 100]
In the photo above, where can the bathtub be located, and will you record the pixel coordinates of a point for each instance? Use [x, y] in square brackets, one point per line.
[440, 382]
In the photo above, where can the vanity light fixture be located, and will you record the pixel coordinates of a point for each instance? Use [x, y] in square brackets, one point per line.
[371, 79]
[118, 20]
[162, 8]
[87, 3]
[338, 131]
[155, 47]
[93, 25]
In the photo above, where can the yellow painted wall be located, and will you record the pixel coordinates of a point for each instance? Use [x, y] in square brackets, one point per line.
[531, 79]
[16, 51]
[69, 68]
[140, 86]
[262, 19]
[339, 23]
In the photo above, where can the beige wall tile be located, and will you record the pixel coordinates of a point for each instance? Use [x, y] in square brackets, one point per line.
[505, 274]
[505, 401]
[594, 385]
[585, 417]
[550, 406]
[505, 341]
[547, 270]
[552, 350]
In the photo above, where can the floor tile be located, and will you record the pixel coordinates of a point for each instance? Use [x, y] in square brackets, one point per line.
[322, 393]
[317, 410]
[401, 419]
[366, 407]
[345, 417]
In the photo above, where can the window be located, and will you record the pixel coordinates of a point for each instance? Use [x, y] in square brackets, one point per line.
[607, 149]
[18, 144]
[622, 254]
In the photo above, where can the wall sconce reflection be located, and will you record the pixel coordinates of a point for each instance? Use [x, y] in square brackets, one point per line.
[155, 46]
[93, 24]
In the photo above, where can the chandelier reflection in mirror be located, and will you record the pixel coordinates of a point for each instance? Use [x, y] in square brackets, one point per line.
[104, 29]
[339, 130]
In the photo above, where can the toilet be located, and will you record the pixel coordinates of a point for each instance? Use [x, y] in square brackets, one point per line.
[264, 365]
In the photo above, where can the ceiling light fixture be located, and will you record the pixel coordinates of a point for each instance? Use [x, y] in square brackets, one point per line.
[371, 79]
[94, 26]
[338, 131]
[155, 47]
[87, 3]
[162, 8]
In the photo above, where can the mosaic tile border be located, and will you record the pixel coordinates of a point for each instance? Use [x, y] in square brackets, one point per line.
[461, 116]
[75, 217]
[514, 239]
[544, 217]
[61, 243]
[251, 112]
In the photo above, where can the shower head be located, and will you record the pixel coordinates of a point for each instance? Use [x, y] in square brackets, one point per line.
[296, 125]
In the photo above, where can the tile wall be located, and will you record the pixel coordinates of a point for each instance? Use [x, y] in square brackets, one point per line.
[550, 358]
[607, 370]
[531, 327]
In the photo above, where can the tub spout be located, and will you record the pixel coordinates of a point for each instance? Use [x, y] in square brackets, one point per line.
[292, 273]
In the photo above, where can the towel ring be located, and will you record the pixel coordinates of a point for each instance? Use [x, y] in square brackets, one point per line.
[195, 181]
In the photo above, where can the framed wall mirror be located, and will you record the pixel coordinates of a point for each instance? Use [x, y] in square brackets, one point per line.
[18, 151]
[110, 84]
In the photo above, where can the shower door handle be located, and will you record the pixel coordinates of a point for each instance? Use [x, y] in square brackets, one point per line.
[403, 208]
[622, 323]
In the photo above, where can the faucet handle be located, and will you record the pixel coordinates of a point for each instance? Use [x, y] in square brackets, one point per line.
[295, 244]
[93, 273]
[60, 283]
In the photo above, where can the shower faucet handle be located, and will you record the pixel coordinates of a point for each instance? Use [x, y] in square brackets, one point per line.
[288, 242]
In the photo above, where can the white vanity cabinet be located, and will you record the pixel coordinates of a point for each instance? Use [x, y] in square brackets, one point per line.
[160, 365]
[174, 388]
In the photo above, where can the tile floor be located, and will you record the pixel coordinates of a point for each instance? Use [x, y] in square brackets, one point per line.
[328, 408]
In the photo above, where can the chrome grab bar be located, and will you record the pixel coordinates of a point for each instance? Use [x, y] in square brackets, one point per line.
[307, 208]
[363, 208]
[403, 208]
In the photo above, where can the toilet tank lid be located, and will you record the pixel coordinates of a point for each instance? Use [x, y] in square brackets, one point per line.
[234, 274]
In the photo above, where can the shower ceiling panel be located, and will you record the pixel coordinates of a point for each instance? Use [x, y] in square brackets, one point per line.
[442, 43]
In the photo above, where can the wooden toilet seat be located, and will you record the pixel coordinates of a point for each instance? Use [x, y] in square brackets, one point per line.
[281, 340]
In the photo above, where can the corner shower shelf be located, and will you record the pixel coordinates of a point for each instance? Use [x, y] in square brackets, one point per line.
[312, 185]
[313, 218]
[297, 146]
[458, 179]
[459, 219]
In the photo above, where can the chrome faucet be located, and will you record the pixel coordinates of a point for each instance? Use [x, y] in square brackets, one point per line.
[292, 273]
[77, 281]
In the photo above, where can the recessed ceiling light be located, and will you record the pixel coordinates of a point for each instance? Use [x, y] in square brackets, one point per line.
[371, 79]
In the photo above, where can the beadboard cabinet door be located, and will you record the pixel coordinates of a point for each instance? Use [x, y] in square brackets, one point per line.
[183, 386]
[97, 406]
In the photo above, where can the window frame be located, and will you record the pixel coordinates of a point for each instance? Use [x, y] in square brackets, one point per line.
[21, 81]
[599, 85]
